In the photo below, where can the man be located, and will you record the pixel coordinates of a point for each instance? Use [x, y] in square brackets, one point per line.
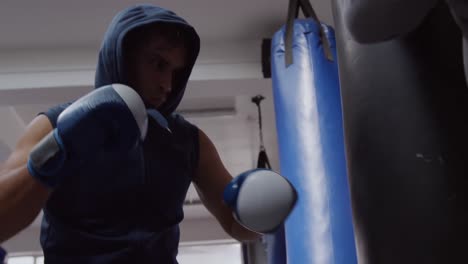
[112, 183]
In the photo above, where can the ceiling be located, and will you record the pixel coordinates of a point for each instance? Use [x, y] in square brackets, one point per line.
[65, 23]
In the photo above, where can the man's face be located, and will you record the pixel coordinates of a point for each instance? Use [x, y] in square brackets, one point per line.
[152, 69]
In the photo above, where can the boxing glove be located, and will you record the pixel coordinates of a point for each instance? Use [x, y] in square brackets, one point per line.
[3, 255]
[261, 199]
[111, 118]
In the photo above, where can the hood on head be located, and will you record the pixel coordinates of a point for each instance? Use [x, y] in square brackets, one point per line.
[110, 68]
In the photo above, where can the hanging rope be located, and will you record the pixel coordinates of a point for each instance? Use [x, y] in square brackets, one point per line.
[257, 100]
[263, 161]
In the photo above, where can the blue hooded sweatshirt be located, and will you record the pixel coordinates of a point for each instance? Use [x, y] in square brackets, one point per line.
[127, 209]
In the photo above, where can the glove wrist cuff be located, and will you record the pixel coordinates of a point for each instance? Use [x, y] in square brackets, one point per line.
[47, 159]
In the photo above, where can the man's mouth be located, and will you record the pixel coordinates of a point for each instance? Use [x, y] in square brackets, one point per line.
[158, 100]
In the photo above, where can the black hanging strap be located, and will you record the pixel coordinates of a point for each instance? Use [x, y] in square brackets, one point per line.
[263, 161]
[293, 13]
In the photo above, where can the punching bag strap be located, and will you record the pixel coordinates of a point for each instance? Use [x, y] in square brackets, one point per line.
[263, 161]
[293, 13]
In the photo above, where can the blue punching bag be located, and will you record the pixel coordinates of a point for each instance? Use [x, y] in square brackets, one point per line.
[310, 137]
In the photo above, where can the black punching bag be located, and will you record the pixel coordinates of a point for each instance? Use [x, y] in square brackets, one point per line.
[406, 134]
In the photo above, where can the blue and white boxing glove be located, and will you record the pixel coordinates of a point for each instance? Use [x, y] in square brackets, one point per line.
[261, 199]
[3, 255]
[111, 118]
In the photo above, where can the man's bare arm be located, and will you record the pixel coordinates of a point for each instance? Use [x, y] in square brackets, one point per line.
[21, 196]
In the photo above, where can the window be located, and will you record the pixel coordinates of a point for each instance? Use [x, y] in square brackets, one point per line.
[212, 252]
[21, 260]
[226, 252]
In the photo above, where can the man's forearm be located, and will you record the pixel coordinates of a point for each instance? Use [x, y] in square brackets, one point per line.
[21, 199]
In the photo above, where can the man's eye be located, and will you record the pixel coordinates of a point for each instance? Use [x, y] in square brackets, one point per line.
[158, 63]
